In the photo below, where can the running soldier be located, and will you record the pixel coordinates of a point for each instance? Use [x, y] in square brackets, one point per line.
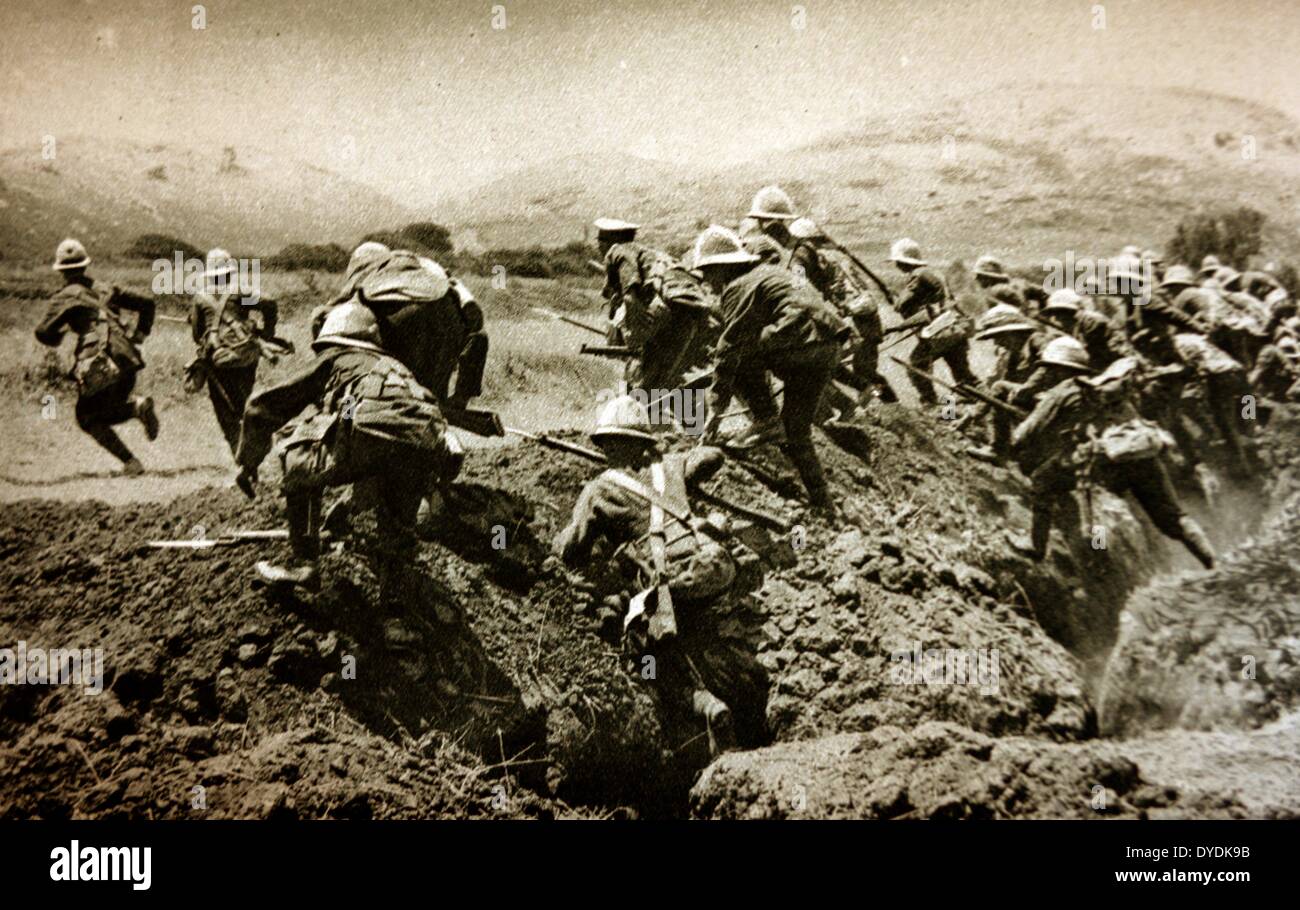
[107, 359]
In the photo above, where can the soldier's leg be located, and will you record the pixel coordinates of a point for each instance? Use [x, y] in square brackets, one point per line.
[302, 510]
[959, 365]
[806, 375]
[229, 391]
[923, 357]
[1150, 485]
[98, 414]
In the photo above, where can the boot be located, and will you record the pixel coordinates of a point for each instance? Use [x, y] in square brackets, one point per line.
[717, 720]
[760, 433]
[132, 468]
[296, 574]
[144, 410]
[1196, 541]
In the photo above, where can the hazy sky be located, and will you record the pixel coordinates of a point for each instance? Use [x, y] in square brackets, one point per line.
[424, 97]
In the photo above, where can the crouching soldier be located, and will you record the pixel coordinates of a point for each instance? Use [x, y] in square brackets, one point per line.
[361, 417]
[639, 511]
[107, 358]
[770, 325]
[227, 339]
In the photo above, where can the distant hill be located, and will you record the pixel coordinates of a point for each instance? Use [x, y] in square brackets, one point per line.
[108, 192]
[1026, 171]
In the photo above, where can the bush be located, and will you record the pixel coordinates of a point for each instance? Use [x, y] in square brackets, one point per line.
[533, 262]
[327, 257]
[160, 246]
[1234, 235]
[423, 237]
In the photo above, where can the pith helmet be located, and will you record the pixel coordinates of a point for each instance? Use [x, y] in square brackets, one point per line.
[614, 227]
[1131, 250]
[907, 251]
[772, 202]
[70, 255]
[804, 229]
[1066, 352]
[1128, 268]
[1227, 276]
[990, 267]
[366, 253]
[219, 263]
[623, 417]
[1178, 276]
[407, 277]
[1209, 265]
[349, 325]
[1001, 319]
[764, 247]
[718, 245]
[1063, 300]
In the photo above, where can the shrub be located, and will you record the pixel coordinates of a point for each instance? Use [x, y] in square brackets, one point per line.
[327, 257]
[1234, 235]
[160, 246]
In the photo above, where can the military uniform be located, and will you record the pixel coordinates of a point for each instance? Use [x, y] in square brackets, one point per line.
[226, 336]
[94, 315]
[665, 310]
[1057, 448]
[926, 291]
[772, 325]
[362, 416]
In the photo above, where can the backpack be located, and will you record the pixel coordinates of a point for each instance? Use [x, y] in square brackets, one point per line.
[106, 352]
[1132, 440]
[232, 343]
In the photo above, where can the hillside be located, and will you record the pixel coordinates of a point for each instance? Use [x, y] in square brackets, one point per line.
[1036, 167]
[108, 192]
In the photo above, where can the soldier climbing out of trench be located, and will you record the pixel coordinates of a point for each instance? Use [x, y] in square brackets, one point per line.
[107, 358]
[361, 418]
[638, 510]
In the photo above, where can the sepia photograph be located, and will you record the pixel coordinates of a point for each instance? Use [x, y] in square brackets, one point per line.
[650, 412]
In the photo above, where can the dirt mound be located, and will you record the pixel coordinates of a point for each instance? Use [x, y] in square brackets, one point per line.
[498, 687]
[1218, 650]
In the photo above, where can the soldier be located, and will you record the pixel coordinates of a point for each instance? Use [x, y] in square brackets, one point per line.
[1061, 312]
[226, 337]
[944, 336]
[640, 509]
[1084, 431]
[774, 214]
[770, 325]
[664, 308]
[1153, 263]
[361, 417]
[1209, 265]
[366, 259]
[107, 357]
[1000, 287]
[1018, 346]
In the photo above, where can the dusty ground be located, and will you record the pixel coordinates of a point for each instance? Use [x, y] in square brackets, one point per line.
[497, 688]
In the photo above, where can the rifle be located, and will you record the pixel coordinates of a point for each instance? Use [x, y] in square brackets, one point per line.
[617, 351]
[597, 266]
[884, 288]
[560, 317]
[479, 421]
[771, 522]
[964, 390]
[229, 539]
[914, 323]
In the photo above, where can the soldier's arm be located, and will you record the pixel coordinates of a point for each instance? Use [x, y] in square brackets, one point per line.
[50, 331]
[143, 307]
[702, 463]
[602, 511]
[198, 322]
[913, 295]
[272, 408]
[270, 311]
